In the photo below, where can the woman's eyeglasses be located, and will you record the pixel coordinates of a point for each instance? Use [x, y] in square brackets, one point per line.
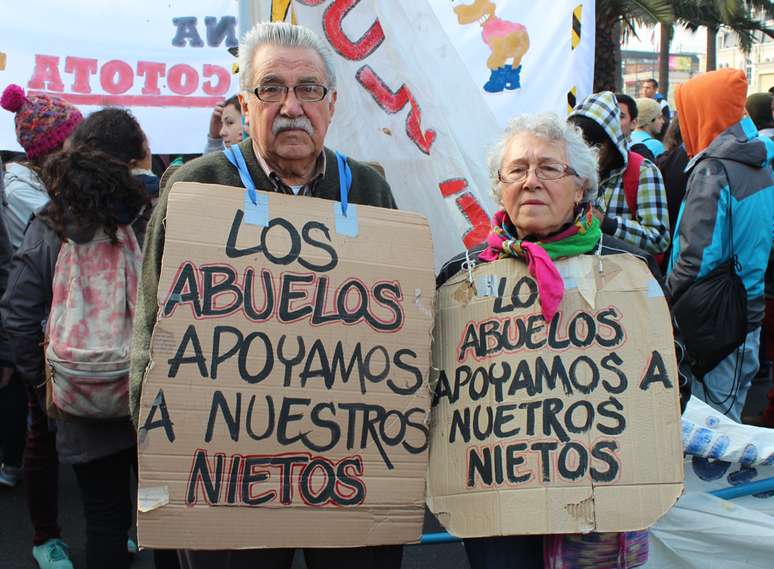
[544, 171]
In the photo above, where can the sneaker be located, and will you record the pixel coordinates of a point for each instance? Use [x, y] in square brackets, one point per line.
[53, 554]
[9, 475]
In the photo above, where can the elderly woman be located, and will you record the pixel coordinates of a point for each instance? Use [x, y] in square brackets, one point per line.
[545, 178]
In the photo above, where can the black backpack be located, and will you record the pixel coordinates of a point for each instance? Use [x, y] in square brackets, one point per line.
[712, 312]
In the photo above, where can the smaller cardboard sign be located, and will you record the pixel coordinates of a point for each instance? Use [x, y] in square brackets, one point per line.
[561, 427]
[287, 399]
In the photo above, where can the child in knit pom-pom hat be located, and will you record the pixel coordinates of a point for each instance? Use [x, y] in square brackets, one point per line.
[43, 123]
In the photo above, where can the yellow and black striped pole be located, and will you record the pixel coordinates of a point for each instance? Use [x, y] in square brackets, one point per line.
[280, 10]
[576, 25]
[572, 99]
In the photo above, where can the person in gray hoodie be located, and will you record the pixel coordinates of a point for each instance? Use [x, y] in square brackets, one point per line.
[43, 124]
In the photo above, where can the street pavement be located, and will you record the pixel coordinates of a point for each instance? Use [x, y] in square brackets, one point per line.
[16, 532]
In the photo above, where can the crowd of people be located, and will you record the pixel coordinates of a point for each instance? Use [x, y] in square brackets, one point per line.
[690, 193]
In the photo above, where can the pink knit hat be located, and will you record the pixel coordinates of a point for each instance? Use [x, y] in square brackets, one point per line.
[43, 122]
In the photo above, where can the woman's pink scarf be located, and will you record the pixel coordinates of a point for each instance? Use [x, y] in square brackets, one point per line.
[541, 267]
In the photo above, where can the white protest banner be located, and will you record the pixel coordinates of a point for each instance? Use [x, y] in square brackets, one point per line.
[566, 426]
[526, 57]
[286, 403]
[166, 61]
[411, 95]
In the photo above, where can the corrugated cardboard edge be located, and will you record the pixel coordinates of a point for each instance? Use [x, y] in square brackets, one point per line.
[154, 500]
[600, 498]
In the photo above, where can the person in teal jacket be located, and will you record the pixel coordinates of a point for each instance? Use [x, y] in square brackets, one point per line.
[729, 162]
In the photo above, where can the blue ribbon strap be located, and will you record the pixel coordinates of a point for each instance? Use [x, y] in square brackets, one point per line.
[234, 155]
[345, 181]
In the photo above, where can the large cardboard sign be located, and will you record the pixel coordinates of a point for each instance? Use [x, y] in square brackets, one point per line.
[287, 402]
[560, 427]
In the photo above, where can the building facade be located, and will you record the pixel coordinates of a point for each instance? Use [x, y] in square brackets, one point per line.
[638, 66]
[758, 64]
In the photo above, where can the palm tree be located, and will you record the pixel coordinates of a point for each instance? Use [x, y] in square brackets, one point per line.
[713, 14]
[615, 18]
[667, 33]
[737, 15]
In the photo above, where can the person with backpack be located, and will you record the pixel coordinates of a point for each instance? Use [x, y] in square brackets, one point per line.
[723, 237]
[43, 124]
[631, 204]
[73, 282]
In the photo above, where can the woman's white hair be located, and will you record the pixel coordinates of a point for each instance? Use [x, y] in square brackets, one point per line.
[280, 34]
[580, 156]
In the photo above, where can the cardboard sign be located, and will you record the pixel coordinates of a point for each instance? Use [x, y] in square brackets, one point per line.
[561, 427]
[287, 401]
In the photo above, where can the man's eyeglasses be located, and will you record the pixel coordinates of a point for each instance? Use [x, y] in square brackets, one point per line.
[545, 171]
[306, 92]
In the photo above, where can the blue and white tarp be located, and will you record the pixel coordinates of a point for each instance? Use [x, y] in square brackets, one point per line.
[705, 532]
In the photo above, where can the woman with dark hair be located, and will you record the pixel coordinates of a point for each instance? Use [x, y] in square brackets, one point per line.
[118, 133]
[225, 125]
[43, 124]
[94, 198]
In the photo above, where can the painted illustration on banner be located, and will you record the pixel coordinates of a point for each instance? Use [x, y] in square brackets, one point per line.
[520, 56]
[508, 42]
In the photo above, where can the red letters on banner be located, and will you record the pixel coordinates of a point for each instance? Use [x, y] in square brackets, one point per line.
[388, 100]
[117, 78]
[82, 69]
[471, 209]
[392, 102]
[354, 51]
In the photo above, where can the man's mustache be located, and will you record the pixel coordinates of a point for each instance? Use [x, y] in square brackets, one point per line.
[299, 123]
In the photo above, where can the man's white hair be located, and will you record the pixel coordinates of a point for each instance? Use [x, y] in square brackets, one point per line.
[580, 156]
[280, 34]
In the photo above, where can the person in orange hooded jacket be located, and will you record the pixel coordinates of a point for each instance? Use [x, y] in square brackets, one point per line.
[729, 203]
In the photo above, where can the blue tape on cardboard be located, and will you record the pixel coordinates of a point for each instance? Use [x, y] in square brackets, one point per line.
[257, 213]
[346, 224]
[486, 285]
[654, 289]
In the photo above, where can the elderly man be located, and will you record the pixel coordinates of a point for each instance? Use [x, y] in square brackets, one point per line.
[288, 99]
